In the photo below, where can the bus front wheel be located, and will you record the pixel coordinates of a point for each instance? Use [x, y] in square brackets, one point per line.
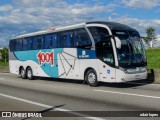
[30, 73]
[91, 78]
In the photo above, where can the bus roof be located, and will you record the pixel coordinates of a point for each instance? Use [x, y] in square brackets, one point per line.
[51, 30]
[111, 25]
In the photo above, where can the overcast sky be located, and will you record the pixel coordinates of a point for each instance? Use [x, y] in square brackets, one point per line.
[25, 16]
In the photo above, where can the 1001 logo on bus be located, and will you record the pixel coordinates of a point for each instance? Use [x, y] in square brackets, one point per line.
[47, 57]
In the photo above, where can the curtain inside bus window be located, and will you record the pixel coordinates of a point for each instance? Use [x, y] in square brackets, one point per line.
[54, 41]
[30, 43]
[47, 41]
[68, 41]
[64, 39]
[83, 39]
[34, 43]
[25, 44]
[40, 42]
[18, 45]
[72, 39]
[12, 45]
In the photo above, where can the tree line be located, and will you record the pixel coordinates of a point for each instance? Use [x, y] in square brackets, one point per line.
[4, 55]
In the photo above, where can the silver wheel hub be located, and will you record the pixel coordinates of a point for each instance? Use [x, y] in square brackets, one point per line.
[22, 72]
[29, 73]
[92, 78]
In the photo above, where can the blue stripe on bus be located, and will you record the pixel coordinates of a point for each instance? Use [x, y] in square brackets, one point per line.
[86, 54]
[50, 70]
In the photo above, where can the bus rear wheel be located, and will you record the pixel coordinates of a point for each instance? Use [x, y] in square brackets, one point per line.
[91, 78]
[23, 73]
[30, 73]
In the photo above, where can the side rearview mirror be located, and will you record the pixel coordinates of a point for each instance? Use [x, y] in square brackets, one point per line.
[118, 42]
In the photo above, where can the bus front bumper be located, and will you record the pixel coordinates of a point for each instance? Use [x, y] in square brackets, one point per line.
[126, 77]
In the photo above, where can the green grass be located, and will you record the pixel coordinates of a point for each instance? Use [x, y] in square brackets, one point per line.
[153, 58]
[3, 64]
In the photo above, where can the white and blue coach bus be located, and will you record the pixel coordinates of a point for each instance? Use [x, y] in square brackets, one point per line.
[93, 51]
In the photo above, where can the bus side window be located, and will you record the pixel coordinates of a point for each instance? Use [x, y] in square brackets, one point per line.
[98, 33]
[30, 43]
[25, 44]
[18, 45]
[40, 42]
[73, 40]
[54, 42]
[83, 39]
[47, 41]
[68, 41]
[12, 45]
[62, 39]
[65, 39]
[34, 43]
[108, 54]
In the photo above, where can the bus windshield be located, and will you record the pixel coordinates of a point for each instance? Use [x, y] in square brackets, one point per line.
[132, 52]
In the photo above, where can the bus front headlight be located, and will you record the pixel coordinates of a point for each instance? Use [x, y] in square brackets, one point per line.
[143, 69]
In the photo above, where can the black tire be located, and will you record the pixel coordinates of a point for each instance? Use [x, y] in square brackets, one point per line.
[23, 73]
[29, 73]
[91, 78]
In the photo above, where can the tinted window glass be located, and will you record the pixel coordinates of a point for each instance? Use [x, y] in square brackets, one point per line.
[69, 37]
[98, 33]
[40, 42]
[66, 39]
[74, 38]
[82, 38]
[27, 44]
[30, 43]
[62, 41]
[108, 55]
[47, 39]
[18, 45]
[12, 45]
[134, 34]
[34, 43]
[54, 42]
[122, 34]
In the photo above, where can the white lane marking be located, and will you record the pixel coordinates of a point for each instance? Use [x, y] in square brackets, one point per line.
[48, 106]
[130, 94]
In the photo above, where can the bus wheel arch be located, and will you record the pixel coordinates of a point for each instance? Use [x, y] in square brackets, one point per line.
[29, 73]
[90, 76]
[22, 72]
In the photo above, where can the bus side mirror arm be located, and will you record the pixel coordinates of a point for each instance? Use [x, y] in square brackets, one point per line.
[118, 42]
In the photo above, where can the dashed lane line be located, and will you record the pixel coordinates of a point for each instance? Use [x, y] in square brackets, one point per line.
[129, 94]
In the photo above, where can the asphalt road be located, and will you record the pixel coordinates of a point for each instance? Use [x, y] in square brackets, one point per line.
[74, 100]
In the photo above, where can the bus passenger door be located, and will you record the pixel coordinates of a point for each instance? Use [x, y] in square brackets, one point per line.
[105, 53]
